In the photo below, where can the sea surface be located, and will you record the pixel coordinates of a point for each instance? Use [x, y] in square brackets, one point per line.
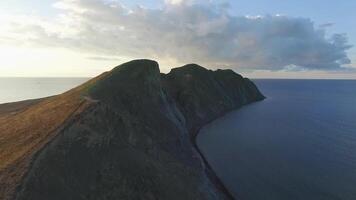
[18, 89]
[299, 143]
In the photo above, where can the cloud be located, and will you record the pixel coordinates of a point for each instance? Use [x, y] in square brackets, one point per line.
[103, 58]
[326, 25]
[174, 1]
[187, 31]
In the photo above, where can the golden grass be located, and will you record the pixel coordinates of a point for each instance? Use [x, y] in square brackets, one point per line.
[24, 133]
[26, 127]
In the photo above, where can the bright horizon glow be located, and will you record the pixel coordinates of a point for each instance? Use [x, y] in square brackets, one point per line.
[49, 59]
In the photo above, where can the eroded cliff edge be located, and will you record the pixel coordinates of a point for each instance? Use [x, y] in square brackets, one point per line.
[134, 139]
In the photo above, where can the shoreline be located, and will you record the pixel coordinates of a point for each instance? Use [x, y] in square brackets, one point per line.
[209, 171]
[214, 178]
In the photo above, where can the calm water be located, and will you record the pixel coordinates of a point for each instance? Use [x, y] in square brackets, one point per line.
[300, 143]
[18, 89]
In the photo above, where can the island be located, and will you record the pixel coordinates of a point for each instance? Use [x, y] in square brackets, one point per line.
[126, 134]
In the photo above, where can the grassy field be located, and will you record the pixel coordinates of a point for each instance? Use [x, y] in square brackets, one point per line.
[25, 127]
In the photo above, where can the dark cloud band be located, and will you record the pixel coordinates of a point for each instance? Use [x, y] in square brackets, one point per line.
[194, 32]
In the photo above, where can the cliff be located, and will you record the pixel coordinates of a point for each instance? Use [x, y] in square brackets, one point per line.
[127, 134]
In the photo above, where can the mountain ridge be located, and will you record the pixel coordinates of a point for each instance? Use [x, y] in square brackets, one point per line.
[133, 137]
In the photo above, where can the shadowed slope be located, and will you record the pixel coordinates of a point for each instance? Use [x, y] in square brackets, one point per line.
[203, 95]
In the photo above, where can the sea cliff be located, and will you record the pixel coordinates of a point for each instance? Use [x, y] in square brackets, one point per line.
[127, 134]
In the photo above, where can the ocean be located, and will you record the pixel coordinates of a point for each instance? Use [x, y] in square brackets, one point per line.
[18, 89]
[299, 143]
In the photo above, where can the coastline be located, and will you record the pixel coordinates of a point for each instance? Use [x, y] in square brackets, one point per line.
[150, 133]
[211, 174]
[214, 178]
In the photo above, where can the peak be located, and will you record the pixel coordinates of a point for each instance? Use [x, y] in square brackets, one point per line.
[190, 67]
[139, 62]
[136, 66]
[193, 66]
[134, 70]
[227, 73]
[133, 75]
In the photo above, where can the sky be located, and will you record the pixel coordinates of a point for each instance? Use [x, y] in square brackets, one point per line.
[257, 38]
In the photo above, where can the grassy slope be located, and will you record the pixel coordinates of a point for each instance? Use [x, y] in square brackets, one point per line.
[26, 127]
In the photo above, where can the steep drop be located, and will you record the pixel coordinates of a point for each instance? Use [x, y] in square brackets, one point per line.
[134, 138]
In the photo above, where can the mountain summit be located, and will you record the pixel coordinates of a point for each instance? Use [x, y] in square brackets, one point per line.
[126, 134]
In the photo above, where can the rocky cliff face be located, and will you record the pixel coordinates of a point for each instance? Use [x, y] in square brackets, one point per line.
[135, 138]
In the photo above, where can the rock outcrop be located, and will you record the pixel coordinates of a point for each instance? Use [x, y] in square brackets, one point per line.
[133, 136]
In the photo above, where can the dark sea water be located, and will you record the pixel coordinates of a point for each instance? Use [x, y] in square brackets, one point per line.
[18, 89]
[300, 143]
